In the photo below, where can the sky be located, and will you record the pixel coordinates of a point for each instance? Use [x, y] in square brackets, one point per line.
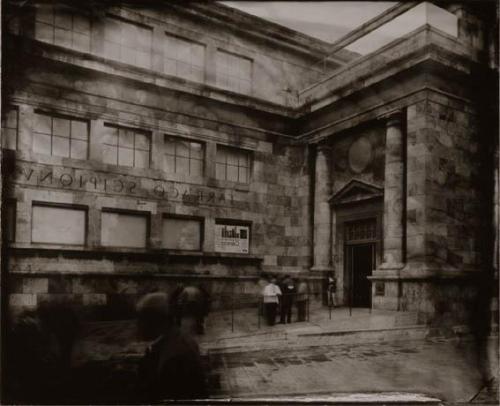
[328, 20]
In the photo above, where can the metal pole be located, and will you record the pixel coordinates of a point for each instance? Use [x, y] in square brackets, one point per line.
[329, 305]
[232, 313]
[308, 307]
[351, 270]
[374, 265]
[259, 311]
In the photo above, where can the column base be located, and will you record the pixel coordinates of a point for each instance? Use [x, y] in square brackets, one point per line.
[319, 269]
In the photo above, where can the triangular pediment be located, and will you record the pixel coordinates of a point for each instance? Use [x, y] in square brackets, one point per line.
[356, 191]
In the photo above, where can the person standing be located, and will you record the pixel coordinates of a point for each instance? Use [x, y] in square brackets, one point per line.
[287, 299]
[301, 299]
[271, 295]
[331, 289]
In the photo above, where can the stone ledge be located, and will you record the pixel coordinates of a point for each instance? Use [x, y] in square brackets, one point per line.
[151, 255]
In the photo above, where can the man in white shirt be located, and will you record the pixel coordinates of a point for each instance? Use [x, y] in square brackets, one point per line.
[271, 295]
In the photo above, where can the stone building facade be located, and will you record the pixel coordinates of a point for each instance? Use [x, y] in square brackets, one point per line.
[147, 146]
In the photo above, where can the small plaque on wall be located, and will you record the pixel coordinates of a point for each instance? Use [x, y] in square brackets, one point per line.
[232, 238]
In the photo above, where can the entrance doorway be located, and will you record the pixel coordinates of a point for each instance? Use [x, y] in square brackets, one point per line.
[360, 260]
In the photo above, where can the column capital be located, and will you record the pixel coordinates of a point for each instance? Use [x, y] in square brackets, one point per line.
[392, 118]
[323, 147]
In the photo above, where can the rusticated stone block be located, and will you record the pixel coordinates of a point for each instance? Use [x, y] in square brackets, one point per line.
[35, 285]
[22, 300]
[94, 299]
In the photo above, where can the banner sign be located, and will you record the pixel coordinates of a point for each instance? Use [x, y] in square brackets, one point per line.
[232, 239]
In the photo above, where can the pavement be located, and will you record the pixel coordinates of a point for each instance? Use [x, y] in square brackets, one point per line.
[349, 354]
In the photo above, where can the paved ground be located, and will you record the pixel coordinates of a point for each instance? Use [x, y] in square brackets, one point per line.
[445, 370]
[107, 354]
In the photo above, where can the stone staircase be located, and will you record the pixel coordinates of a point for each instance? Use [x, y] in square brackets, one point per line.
[342, 328]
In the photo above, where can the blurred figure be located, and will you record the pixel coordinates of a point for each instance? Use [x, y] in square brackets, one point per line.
[38, 352]
[271, 294]
[191, 303]
[288, 295]
[171, 367]
[330, 289]
[302, 291]
[61, 320]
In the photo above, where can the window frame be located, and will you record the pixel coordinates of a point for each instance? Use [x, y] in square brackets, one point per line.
[249, 158]
[74, 12]
[165, 54]
[70, 138]
[199, 219]
[129, 212]
[68, 206]
[123, 20]
[176, 140]
[218, 73]
[146, 133]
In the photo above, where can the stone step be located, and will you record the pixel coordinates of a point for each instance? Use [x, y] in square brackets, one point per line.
[323, 397]
[320, 339]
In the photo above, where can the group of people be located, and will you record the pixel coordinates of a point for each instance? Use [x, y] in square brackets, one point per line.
[40, 345]
[282, 295]
[41, 342]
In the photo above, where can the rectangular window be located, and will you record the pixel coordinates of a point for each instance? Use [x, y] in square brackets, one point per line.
[10, 220]
[61, 26]
[127, 42]
[183, 156]
[232, 238]
[124, 229]
[60, 136]
[58, 225]
[126, 146]
[181, 234]
[232, 164]
[9, 128]
[184, 58]
[234, 72]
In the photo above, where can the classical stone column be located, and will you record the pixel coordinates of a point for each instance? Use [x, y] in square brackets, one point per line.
[393, 193]
[322, 211]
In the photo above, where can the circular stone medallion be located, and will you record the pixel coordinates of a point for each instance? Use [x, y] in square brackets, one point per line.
[360, 155]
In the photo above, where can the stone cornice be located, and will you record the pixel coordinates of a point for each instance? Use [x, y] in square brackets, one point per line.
[268, 31]
[426, 53]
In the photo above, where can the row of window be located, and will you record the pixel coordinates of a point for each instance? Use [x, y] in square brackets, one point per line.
[132, 43]
[68, 137]
[58, 224]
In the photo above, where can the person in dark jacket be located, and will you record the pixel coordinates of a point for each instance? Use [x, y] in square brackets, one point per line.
[171, 367]
[288, 296]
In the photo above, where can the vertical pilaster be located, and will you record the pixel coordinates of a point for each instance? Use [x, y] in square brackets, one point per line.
[96, 134]
[210, 63]
[210, 156]
[157, 142]
[322, 211]
[158, 39]
[208, 235]
[25, 128]
[394, 193]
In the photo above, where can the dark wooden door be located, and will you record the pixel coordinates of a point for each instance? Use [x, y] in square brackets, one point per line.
[361, 261]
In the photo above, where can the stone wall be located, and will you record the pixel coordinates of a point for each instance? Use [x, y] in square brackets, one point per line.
[275, 202]
[443, 212]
